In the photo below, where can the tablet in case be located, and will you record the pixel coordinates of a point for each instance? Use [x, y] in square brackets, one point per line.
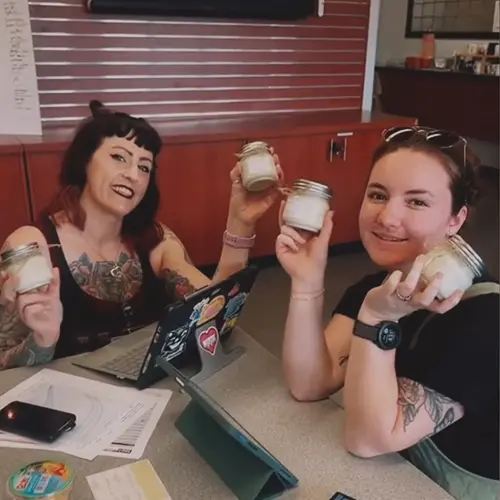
[245, 466]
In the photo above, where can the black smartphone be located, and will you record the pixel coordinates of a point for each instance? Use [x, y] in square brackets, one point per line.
[35, 422]
[341, 496]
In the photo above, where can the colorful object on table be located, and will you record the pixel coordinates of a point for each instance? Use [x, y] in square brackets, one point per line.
[42, 480]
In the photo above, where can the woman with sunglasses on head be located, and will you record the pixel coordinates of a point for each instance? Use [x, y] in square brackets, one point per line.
[116, 266]
[427, 390]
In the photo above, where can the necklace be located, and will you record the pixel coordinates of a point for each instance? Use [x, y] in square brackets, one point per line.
[116, 271]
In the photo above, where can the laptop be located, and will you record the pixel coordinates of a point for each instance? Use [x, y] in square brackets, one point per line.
[244, 464]
[192, 334]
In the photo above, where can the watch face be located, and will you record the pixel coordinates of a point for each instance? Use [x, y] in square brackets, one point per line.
[389, 335]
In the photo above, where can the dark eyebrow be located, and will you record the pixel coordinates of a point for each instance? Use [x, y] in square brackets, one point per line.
[143, 158]
[376, 185]
[419, 191]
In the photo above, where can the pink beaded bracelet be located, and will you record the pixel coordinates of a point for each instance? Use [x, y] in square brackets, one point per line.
[238, 241]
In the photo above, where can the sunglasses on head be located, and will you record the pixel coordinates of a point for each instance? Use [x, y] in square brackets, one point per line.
[445, 141]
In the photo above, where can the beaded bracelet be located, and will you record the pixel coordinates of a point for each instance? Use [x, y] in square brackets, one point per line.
[238, 241]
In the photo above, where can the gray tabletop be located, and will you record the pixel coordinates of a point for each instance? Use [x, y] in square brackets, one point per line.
[305, 437]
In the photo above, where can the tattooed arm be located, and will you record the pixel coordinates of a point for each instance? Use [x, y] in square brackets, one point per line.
[176, 268]
[18, 345]
[384, 413]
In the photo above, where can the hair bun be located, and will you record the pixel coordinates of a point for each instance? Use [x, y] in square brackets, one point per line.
[96, 107]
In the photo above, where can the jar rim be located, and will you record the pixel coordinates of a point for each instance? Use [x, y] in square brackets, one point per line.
[18, 251]
[251, 148]
[314, 187]
[468, 254]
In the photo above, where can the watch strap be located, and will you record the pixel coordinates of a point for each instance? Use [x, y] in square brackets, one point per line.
[368, 332]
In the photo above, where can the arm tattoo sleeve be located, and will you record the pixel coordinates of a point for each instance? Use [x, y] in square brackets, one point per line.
[177, 285]
[414, 397]
[17, 345]
[343, 360]
[170, 235]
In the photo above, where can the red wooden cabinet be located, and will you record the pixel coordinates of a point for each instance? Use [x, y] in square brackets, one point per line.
[195, 187]
[43, 167]
[342, 160]
[14, 205]
[294, 157]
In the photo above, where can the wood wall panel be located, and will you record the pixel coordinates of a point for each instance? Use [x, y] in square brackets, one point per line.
[14, 203]
[164, 68]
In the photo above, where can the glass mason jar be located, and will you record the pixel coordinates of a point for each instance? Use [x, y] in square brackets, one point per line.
[258, 171]
[28, 266]
[307, 205]
[457, 261]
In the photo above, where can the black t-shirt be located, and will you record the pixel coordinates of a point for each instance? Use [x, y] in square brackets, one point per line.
[457, 355]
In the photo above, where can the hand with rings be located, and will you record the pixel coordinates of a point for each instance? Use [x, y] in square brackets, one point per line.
[398, 297]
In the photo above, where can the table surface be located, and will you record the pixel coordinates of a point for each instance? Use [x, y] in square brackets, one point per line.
[305, 437]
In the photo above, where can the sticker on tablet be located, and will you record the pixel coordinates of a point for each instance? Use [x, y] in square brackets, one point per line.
[228, 325]
[175, 342]
[235, 305]
[208, 340]
[198, 311]
[212, 309]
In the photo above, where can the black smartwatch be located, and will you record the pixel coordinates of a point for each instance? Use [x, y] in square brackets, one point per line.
[386, 335]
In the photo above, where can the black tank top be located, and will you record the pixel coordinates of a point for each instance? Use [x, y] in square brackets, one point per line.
[89, 323]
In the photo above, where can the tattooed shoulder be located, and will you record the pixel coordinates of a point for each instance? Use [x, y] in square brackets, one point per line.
[414, 398]
[177, 286]
[96, 278]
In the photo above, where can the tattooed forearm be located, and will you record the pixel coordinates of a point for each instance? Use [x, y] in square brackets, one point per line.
[177, 285]
[26, 353]
[17, 345]
[414, 397]
[343, 360]
[170, 235]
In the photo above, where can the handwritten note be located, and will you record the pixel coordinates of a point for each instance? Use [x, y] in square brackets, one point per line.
[19, 105]
[136, 481]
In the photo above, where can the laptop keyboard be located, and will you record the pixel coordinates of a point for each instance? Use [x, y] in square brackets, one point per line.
[130, 361]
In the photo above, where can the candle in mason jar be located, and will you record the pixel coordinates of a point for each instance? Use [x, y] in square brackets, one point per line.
[28, 266]
[458, 263]
[258, 170]
[307, 205]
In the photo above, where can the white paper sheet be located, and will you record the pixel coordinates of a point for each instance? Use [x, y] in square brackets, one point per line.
[136, 481]
[103, 411]
[132, 443]
[18, 84]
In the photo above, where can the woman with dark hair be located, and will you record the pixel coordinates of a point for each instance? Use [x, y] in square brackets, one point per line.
[115, 266]
[420, 374]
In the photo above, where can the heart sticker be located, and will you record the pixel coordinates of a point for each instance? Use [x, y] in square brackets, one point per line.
[209, 339]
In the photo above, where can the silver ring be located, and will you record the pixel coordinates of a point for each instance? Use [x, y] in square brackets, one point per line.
[237, 181]
[402, 297]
